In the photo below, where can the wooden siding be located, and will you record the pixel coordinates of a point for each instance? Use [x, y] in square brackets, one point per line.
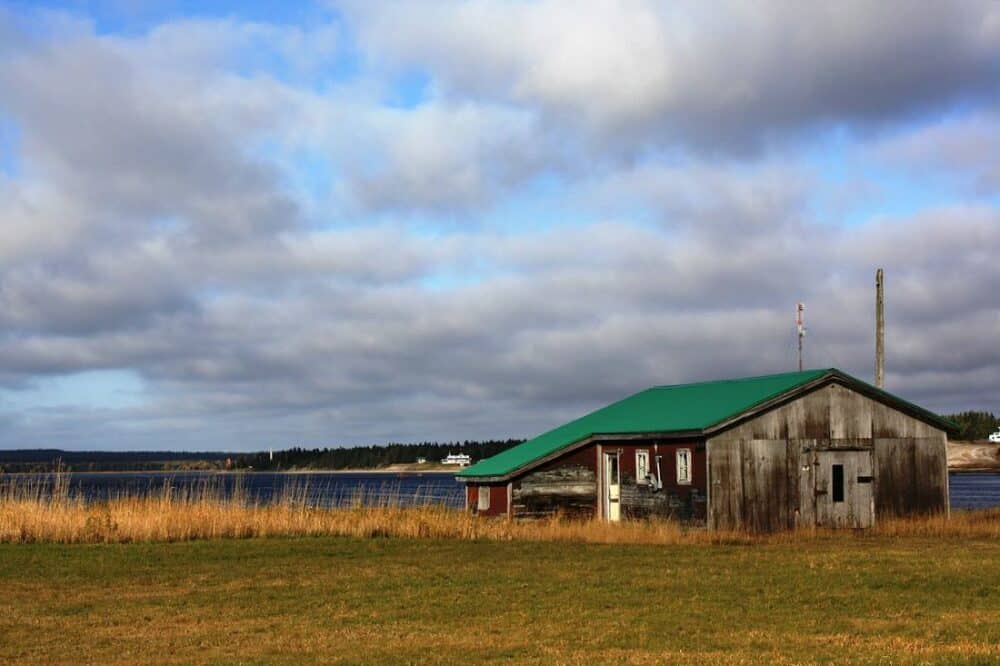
[762, 473]
[911, 476]
[571, 484]
[567, 484]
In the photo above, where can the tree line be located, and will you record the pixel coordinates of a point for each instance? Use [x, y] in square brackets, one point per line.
[975, 425]
[370, 457]
[357, 457]
[40, 461]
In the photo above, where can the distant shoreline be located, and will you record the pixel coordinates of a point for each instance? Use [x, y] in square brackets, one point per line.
[372, 470]
[973, 456]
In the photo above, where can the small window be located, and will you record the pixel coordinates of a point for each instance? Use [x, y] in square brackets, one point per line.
[838, 483]
[683, 466]
[641, 466]
[484, 498]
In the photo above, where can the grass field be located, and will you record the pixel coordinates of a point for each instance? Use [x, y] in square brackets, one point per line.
[878, 599]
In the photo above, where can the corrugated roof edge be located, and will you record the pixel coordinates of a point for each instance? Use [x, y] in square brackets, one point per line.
[817, 379]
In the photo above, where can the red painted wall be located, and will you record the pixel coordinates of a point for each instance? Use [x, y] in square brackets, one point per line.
[498, 499]
[692, 494]
[668, 461]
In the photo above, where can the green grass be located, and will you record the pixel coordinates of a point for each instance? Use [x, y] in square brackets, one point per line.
[282, 600]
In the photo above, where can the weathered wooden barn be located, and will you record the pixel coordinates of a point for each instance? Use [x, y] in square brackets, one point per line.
[813, 448]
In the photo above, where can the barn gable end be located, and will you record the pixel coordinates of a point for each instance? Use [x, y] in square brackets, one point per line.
[766, 473]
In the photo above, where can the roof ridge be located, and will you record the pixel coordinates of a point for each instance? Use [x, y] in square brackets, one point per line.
[745, 379]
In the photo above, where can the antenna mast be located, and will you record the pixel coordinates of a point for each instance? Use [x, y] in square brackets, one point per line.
[879, 331]
[800, 309]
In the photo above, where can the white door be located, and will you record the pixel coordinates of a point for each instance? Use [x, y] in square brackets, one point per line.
[844, 489]
[613, 488]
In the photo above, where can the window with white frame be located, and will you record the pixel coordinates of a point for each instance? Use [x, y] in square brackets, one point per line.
[484, 498]
[641, 466]
[683, 466]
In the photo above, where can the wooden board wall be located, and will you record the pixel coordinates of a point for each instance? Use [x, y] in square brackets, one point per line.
[567, 484]
[759, 470]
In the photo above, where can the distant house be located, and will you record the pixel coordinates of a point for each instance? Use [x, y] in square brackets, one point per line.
[801, 449]
[460, 459]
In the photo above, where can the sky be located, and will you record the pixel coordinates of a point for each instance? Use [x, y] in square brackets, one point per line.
[235, 226]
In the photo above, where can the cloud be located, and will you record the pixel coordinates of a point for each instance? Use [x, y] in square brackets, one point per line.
[961, 149]
[284, 260]
[135, 142]
[723, 78]
[445, 157]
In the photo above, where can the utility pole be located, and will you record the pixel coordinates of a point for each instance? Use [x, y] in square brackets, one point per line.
[800, 309]
[879, 331]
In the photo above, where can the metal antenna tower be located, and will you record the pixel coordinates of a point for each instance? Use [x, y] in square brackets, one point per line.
[800, 309]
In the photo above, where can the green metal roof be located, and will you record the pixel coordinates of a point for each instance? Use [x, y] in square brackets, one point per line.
[677, 408]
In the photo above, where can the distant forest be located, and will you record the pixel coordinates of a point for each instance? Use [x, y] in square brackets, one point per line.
[364, 457]
[975, 425]
[47, 460]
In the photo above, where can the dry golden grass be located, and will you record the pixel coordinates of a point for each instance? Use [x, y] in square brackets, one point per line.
[878, 600]
[33, 511]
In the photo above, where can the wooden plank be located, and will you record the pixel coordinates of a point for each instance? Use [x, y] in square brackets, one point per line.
[850, 414]
[807, 482]
[865, 499]
[931, 472]
[765, 500]
[887, 423]
[791, 483]
[570, 488]
[795, 419]
[894, 476]
[727, 491]
[816, 414]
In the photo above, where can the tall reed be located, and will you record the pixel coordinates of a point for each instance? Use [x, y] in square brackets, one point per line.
[44, 510]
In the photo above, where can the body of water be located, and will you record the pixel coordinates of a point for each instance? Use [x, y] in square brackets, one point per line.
[969, 490]
[974, 490]
[318, 489]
